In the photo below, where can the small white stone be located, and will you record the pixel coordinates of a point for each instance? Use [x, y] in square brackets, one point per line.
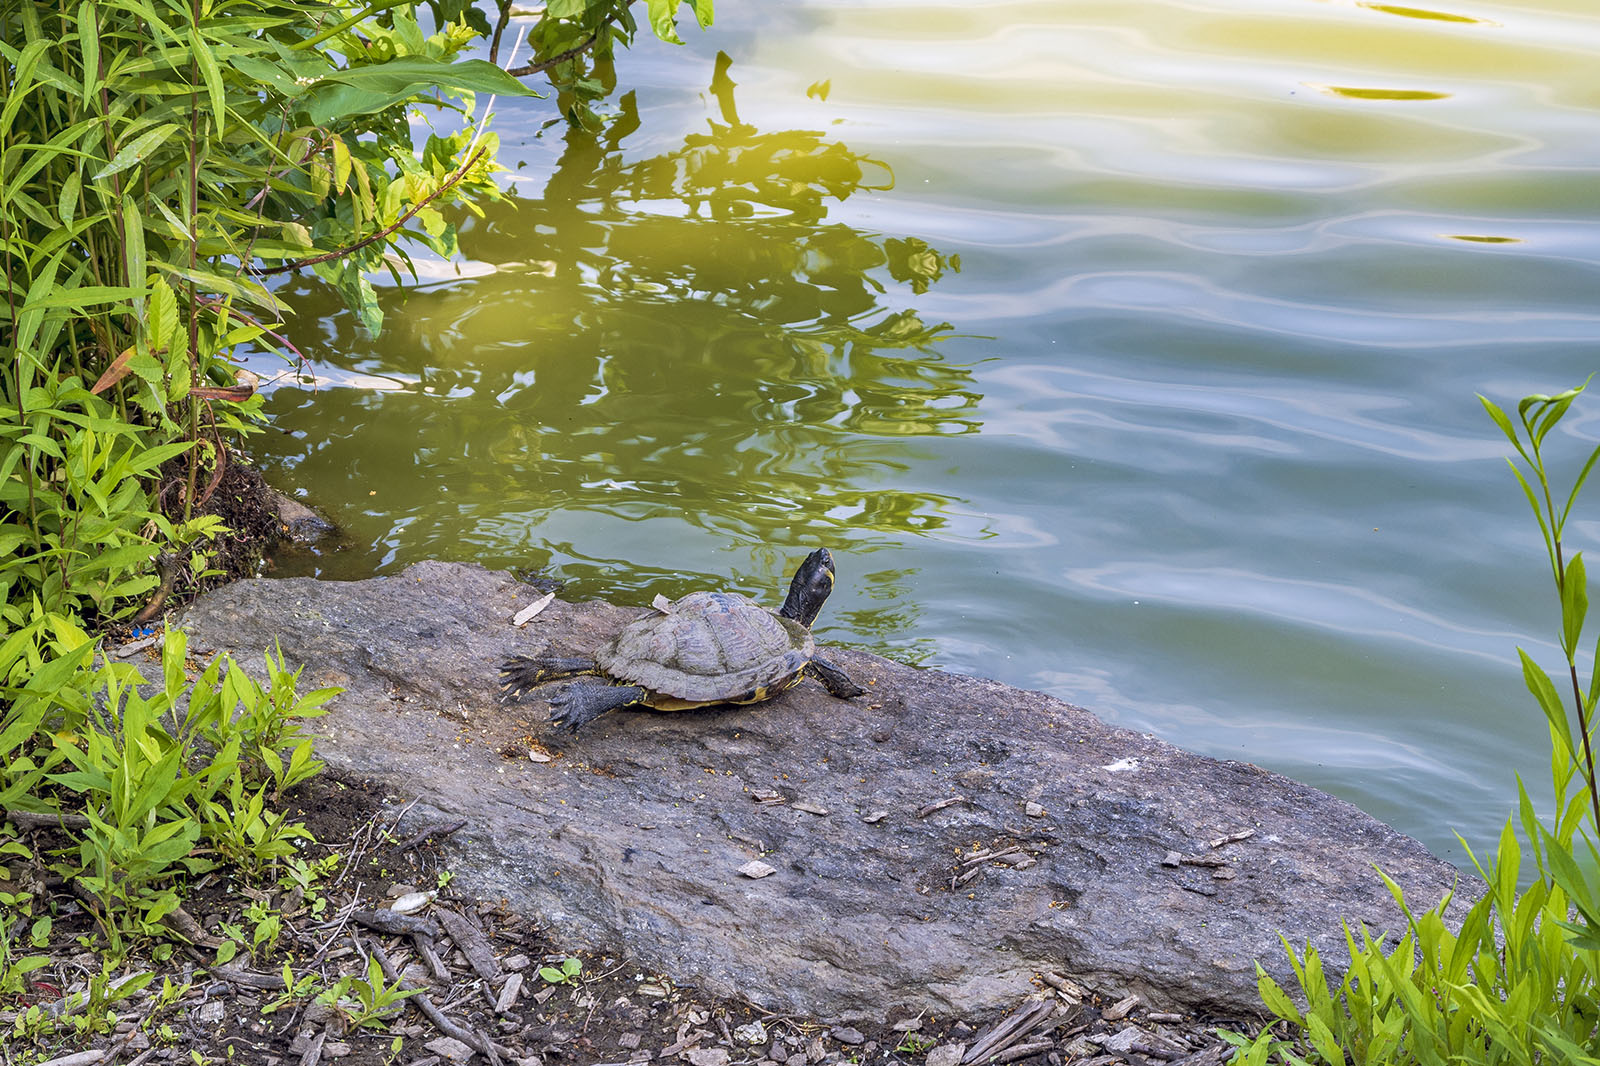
[754, 1033]
[947, 1055]
[755, 869]
[1033, 810]
[708, 1056]
[412, 902]
[450, 1048]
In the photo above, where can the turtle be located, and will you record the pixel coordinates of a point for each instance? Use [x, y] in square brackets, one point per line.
[704, 649]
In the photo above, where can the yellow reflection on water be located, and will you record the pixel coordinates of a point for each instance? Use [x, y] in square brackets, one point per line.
[1352, 93]
[1420, 13]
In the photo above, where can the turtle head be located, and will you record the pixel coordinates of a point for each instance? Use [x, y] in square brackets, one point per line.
[810, 587]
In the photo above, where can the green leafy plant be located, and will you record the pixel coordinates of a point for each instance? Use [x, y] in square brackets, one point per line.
[366, 1002]
[170, 778]
[1519, 982]
[16, 907]
[295, 990]
[566, 973]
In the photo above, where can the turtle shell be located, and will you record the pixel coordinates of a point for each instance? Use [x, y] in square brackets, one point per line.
[709, 647]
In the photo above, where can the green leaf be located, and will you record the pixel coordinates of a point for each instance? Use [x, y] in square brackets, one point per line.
[201, 51]
[1276, 1000]
[162, 321]
[341, 172]
[22, 81]
[1574, 604]
[133, 251]
[1544, 690]
[366, 90]
[663, 20]
[1502, 420]
[137, 150]
[1572, 497]
[89, 46]
[67, 202]
[1322, 1039]
[82, 296]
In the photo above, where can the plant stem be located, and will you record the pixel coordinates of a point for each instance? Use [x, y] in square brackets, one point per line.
[194, 223]
[1577, 692]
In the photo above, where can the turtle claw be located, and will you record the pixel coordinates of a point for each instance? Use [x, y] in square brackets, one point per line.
[836, 680]
[524, 672]
[579, 705]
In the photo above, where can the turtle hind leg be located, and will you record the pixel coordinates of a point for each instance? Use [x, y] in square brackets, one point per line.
[524, 672]
[581, 704]
[836, 680]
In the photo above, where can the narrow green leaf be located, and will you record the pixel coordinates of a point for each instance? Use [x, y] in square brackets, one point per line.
[1551, 415]
[1538, 512]
[1583, 475]
[238, 288]
[67, 202]
[1322, 1039]
[212, 76]
[1574, 604]
[81, 297]
[89, 46]
[1502, 420]
[22, 81]
[136, 150]
[1276, 999]
[133, 252]
[341, 166]
[1544, 690]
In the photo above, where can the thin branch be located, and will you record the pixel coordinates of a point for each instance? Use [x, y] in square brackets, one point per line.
[284, 268]
[544, 65]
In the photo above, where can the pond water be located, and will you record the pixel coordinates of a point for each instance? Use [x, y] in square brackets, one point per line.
[1126, 351]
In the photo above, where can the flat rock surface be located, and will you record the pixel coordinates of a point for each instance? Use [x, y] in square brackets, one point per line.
[1110, 860]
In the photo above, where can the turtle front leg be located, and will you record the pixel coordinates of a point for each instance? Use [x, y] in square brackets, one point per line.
[581, 704]
[837, 681]
[525, 672]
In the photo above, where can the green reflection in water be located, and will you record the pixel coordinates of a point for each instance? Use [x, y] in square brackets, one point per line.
[658, 362]
[1479, 238]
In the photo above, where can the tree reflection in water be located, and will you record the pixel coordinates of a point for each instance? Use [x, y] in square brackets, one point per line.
[681, 343]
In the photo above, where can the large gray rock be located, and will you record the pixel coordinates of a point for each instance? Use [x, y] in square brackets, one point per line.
[633, 836]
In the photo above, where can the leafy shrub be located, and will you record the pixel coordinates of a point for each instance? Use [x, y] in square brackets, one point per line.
[1520, 982]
